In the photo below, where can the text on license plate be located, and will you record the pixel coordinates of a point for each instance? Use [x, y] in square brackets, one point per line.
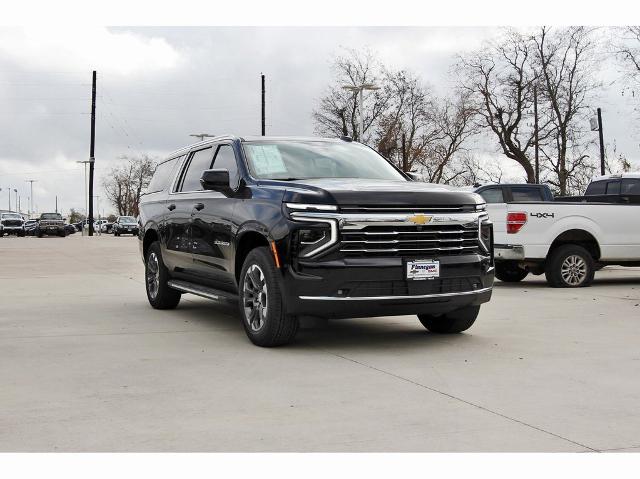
[423, 269]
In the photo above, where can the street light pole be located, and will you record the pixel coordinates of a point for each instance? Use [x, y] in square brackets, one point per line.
[600, 134]
[359, 90]
[31, 197]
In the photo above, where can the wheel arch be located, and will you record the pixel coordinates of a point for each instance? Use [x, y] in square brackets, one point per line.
[247, 241]
[580, 237]
[150, 236]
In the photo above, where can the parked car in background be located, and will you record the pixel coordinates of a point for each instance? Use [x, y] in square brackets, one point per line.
[290, 227]
[70, 229]
[30, 227]
[623, 188]
[566, 241]
[50, 224]
[125, 225]
[97, 225]
[12, 224]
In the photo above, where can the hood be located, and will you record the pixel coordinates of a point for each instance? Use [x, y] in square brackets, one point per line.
[357, 191]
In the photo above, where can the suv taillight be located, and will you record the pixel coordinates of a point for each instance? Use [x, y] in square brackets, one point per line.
[515, 222]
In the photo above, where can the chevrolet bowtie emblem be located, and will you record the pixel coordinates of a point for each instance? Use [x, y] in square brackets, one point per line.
[419, 219]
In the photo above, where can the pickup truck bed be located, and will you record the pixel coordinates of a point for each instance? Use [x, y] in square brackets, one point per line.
[566, 241]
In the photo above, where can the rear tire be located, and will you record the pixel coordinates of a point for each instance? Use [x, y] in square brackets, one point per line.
[156, 274]
[570, 266]
[510, 272]
[450, 323]
[262, 309]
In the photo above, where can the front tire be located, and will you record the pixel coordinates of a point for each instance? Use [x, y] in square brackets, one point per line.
[262, 309]
[156, 274]
[570, 266]
[450, 323]
[510, 272]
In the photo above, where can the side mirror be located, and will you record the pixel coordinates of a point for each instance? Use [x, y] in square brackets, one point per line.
[413, 176]
[216, 179]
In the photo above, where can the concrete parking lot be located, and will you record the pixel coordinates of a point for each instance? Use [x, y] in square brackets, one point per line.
[87, 365]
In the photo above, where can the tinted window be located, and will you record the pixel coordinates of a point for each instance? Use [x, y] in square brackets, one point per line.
[596, 188]
[630, 187]
[225, 158]
[613, 188]
[524, 193]
[492, 195]
[161, 175]
[200, 161]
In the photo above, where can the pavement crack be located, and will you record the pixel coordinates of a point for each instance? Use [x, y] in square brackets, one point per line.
[464, 401]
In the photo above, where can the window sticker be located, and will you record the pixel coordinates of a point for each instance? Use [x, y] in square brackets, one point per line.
[267, 159]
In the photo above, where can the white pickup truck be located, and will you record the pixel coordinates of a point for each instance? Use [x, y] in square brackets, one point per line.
[567, 241]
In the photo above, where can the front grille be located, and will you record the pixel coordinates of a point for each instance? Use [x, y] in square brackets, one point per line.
[424, 241]
[406, 288]
[405, 209]
[12, 223]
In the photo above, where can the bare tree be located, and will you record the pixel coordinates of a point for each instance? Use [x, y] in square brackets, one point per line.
[454, 121]
[565, 61]
[339, 109]
[410, 113]
[499, 81]
[627, 48]
[125, 183]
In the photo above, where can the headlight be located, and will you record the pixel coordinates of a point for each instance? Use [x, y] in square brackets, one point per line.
[310, 207]
[485, 233]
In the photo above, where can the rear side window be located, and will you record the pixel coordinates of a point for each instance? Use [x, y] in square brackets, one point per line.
[200, 161]
[613, 188]
[596, 188]
[630, 187]
[524, 193]
[162, 175]
[225, 158]
[492, 195]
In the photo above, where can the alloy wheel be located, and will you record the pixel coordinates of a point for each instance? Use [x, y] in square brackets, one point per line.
[574, 270]
[153, 274]
[254, 297]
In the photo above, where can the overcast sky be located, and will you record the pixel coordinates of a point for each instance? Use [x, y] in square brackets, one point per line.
[158, 85]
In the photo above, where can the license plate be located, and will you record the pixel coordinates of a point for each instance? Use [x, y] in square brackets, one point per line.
[423, 269]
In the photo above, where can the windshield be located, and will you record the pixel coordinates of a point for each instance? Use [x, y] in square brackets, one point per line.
[127, 219]
[11, 216]
[51, 216]
[289, 160]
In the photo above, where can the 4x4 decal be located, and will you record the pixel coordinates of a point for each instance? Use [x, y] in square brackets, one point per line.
[542, 215]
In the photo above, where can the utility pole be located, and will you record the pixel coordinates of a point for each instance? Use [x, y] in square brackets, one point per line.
[92, 158]
[263, 107]
[601, 141]
[535, 130]
[31, 197]
[56, 203]
[15, 190]
[9, 192]
[405, 166]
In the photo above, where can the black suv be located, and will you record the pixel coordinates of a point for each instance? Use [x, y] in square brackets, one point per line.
[125, 225]
[292, 227]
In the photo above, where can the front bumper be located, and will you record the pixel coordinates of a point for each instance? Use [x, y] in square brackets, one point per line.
[377, 287]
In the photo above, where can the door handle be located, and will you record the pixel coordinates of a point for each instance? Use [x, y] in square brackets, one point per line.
[198, 206]
[171, 207]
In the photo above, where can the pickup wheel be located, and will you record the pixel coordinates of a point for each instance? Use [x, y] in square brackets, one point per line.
[570, 266]
[262, 309]
[510, 272]
[160, 295]
[450, 323]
